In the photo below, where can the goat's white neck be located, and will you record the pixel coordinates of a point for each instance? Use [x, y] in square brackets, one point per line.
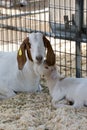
[28, 68]
[52, 80]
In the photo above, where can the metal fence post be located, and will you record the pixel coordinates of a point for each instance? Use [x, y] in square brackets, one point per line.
[79, 23]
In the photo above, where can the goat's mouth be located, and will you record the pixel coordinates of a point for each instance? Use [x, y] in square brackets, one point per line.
[39, 62]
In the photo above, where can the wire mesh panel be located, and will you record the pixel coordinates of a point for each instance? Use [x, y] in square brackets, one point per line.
[65, 50]
[63, 21]
[19, 17]
[68, 21]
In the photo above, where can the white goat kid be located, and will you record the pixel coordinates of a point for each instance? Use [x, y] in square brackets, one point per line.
[72, 89]
[17, 71]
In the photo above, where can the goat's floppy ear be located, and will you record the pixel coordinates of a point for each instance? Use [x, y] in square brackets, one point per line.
[28, 46]
[21, 56]
[50, 57]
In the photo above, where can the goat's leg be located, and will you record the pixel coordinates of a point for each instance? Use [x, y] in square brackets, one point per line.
[58, 96]
[40, 88]
[55, 101]
[6, 96]
[60, 105]
[6, 93]
[85, 104]
[78, 104]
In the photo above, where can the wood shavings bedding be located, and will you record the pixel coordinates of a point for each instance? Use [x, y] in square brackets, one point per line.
[35, 112]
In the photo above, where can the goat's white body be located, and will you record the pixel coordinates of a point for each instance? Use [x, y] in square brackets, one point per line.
[73, 89]
[26, 80]
[13, 79]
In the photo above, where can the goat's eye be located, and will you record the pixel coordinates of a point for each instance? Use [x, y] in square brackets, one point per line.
[46, 67]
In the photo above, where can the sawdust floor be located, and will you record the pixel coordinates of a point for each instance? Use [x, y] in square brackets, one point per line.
[35, 112]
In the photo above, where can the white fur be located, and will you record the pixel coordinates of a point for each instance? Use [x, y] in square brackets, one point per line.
[72, 89]
[26, 80]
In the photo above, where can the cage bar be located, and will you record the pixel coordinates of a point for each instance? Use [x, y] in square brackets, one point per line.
[64, 22]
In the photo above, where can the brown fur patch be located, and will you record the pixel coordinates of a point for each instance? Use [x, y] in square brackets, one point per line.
[21, 56]
[50, 57]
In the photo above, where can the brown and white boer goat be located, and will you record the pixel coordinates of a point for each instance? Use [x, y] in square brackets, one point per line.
[17, 69]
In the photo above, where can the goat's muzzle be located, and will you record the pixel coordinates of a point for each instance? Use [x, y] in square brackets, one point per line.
[39, 59]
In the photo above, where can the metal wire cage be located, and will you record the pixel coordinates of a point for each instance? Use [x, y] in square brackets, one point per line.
[19, 17]
[64, 22]
[68, 21]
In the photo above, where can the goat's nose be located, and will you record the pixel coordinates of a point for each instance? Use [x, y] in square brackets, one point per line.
[39, 58]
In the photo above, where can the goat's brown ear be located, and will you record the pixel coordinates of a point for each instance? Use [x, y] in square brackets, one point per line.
[28, 46]
[50, 57]
[21, 56]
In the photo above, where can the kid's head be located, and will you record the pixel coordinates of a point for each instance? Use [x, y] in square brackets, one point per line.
[45, 70]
